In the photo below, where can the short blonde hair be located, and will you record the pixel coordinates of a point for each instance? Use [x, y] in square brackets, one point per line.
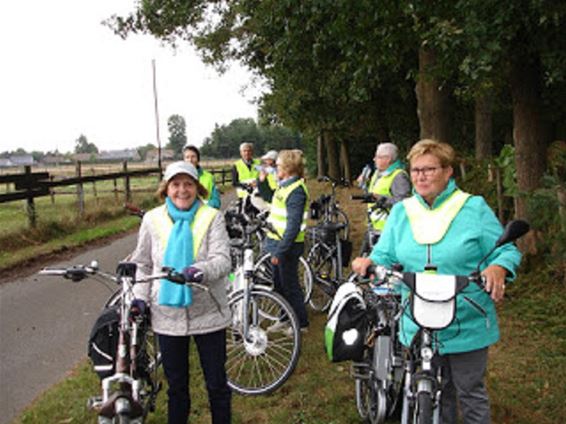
[291, 161]
[444, 152]
[202, 192]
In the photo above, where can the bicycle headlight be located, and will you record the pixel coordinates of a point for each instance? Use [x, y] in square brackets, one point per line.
[426, 353]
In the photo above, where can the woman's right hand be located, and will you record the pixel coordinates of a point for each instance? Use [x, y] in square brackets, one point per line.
[360, 265]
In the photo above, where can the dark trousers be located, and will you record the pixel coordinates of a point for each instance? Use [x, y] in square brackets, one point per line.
[212, 353]
[286, 281]
[463, 374]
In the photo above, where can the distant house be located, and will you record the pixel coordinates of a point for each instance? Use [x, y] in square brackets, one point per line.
[21, 160]
[84, 157]
[54, 160]
[119, 155]
[166, 154]
[5, 163]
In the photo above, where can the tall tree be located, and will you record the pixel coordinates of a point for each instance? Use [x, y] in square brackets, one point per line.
[177, 133]
[83, 146]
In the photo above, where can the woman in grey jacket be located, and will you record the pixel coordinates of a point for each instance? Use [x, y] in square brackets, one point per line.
[186, 234]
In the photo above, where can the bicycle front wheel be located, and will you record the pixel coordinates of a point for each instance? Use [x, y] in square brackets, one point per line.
[263, 354]
[424, 408]
[264, 274]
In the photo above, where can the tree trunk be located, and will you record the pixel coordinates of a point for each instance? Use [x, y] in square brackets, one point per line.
[331, 155]
[433, 101]
[484, 125]
[529, 135]
[345, 161]
[321, 168]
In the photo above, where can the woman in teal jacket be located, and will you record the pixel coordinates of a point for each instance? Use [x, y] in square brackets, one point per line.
[442, 227]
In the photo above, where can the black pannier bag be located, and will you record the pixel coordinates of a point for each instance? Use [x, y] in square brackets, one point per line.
[347, 325]
[103, 342]
[346, 249]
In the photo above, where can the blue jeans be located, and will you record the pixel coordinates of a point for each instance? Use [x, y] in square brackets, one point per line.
[212, 353]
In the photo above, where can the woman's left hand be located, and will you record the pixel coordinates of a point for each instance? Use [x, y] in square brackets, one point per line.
[495, 281]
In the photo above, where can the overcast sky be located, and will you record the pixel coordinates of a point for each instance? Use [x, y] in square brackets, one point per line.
[63, 74]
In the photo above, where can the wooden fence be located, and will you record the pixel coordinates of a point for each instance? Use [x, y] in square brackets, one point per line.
[30, 185]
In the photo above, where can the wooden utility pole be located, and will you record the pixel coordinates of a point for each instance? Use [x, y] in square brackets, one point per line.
[156, 120]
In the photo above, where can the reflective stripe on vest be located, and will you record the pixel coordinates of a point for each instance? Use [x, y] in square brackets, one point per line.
[381, 186]
[203, 218]
[207, 181]
[246, 175]
[430, 225]
[278, 211]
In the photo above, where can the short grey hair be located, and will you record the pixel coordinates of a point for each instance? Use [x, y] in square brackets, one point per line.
[246, 145]
[388, 149]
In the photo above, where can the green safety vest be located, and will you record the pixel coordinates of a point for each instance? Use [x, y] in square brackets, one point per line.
[382, 186]
[246, 175]
[163, 222]
[430, 225]
[207, 181]
[278, 211]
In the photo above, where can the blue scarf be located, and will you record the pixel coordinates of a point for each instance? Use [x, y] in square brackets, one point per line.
[178, 255]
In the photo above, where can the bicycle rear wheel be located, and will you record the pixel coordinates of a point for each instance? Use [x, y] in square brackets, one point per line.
[263, 361]
[323, 265]
[263, 272]
[423, 409]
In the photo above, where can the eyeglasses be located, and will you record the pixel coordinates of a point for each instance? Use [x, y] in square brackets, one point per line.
[427, 171]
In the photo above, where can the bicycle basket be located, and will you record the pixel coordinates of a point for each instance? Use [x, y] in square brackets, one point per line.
[103, 342]
[345, 331]
[324, 233]
[433, 300]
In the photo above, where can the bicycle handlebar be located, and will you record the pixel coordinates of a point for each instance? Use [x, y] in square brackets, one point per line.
[386, 274]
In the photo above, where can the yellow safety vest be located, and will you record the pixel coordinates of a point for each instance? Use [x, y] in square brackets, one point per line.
[246, 175]
[207, 181]
[163, 222]
[430, 225]
[278, 211]
[382, 186]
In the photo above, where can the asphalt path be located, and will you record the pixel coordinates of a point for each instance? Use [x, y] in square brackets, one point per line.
[45, 323]
[44, 326]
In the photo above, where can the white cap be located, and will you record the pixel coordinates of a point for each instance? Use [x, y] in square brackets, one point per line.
[180, 167]
[272, 154]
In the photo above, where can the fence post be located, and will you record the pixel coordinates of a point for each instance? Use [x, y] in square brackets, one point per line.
[127, 183]
[80, 191]
[30, 205]
[51, 191]
[93, 171]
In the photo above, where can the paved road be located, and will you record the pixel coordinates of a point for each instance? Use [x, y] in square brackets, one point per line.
[44, 326]
[45, 323]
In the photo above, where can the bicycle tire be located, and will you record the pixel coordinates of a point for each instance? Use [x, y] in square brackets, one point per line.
[264, 274]
[264, 363]
[323, 265]
[423, 408]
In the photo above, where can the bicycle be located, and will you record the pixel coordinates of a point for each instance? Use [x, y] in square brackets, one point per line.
[128, 374]
[261, 352]
[377, 211]
[378, 376]
[328, 249]
[422, 388]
